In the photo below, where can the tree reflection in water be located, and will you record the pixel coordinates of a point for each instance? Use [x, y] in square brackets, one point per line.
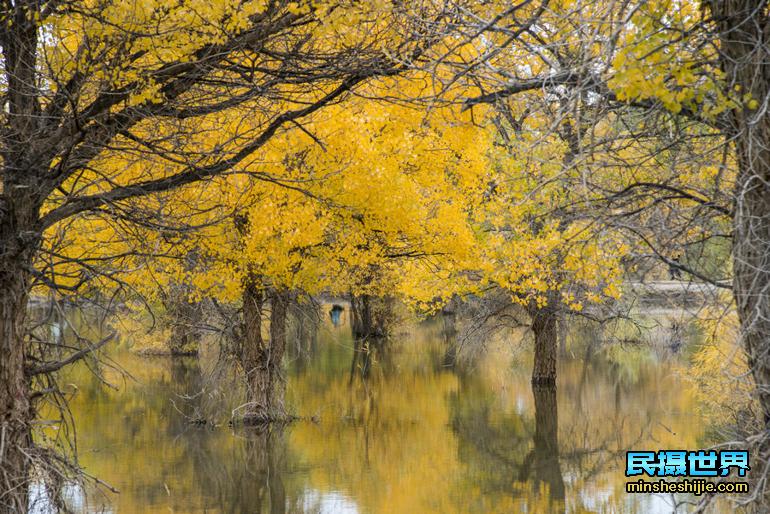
[398, 431]
[542, 463]
[507, 451]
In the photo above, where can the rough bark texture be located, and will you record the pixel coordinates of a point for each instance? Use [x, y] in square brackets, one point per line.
[261, 361]
[545, 330]
[744, 33]
[20, 201]
[16, 412]
[18, 242]
[19, 238]
[277, 382]
[15, 408]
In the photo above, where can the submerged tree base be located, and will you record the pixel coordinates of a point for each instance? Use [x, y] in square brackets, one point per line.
[159, 352]
[261, 420]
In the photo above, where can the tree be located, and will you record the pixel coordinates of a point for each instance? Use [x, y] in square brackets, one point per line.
[336, 224]
[741, 27]
[668, 101]
[109, 103]
[585, 90]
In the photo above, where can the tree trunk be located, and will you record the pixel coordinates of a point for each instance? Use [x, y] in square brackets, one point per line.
[15, 405]
[182, 314]
[360, 312]
[262, 362]
[545, 329]
[362, 359]
[277, 383]
[561, 334]
[18, 242]
[449, 331]
[371, 317]
[743, 27]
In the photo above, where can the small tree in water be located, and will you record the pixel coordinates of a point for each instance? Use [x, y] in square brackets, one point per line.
[261, 360]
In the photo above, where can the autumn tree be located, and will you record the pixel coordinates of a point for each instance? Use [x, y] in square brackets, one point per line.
[373, 200]
[108, 103]
[667, 102]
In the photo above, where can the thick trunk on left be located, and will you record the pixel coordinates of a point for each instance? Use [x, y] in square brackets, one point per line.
[261, 360]
[744, 31]
[15, 408]
[16, 412]
[21, 195]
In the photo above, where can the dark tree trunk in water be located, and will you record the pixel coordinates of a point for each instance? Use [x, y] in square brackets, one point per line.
[363, 351]
[251, 345]
[743, 27]
[545, 329]
[371, 317]
[260, 361]
[277, 383]
[15, 406]
[361, 316]
[183, 314]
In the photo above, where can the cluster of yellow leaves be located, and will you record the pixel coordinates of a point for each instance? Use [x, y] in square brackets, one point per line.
[370, 197]
[656, 61]
[380, 204]
[367, 196]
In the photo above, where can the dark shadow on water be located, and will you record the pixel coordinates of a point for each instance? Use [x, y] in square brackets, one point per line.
[508, 451]
[368, 353]
[247, 476]
[542, 463]
[260, 488]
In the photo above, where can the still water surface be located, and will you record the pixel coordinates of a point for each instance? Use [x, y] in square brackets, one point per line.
[408, 435]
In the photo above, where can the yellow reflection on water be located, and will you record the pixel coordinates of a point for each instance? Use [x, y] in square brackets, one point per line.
[394, 431]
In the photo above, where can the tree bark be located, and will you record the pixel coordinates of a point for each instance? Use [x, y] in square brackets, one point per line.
[545, 330]
[279, 304]
[360, 312]
[260, 361]
[15, 405]
[744, 31]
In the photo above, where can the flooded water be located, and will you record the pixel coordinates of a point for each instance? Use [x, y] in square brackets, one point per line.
[401, 433]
